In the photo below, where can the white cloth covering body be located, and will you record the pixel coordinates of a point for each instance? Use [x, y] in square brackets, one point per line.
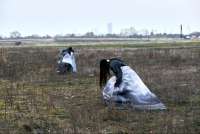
[131, 91]
[70, 59]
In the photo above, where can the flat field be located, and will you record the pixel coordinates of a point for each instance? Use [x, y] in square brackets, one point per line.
[34, 99]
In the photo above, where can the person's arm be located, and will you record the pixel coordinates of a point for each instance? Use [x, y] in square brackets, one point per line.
[116, 68]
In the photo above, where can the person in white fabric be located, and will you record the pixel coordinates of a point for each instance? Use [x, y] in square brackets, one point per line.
[126, 88]
[66, 62]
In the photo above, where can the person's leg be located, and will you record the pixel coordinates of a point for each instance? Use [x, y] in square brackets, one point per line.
[69, 67]
[62, 68]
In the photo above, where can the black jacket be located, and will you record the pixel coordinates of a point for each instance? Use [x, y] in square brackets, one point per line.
[115, 66]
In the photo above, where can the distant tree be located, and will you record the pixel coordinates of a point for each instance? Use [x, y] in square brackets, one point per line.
[89, 34]
[152, 33]
[132, 31]
[146, 32]
[111, 36]
[58, 36]
[35, 36]
[15, 34]
[164, 34]
[64, 36]
[72, 35]
[47, 36]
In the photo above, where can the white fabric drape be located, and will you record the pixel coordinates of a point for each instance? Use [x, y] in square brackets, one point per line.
[70, 59]
[132, 90]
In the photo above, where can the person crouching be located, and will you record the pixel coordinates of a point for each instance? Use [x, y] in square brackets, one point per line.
[67, 62]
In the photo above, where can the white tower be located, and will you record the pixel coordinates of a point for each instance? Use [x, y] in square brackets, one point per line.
[109, 26]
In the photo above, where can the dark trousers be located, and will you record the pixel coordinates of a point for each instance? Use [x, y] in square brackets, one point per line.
[64, 68]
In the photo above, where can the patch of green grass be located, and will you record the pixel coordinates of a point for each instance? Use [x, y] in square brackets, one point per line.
[118, 44]
[138, 45]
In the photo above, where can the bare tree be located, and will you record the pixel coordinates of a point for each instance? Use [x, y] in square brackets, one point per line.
[15, 34]
[132, 31]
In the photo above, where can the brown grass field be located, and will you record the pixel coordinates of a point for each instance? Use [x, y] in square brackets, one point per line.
[34, 99]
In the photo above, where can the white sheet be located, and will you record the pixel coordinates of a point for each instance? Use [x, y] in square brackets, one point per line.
[131, 90]
[70, 59]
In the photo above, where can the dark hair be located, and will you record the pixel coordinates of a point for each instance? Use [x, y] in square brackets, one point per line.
[104, 72]
[70, 50]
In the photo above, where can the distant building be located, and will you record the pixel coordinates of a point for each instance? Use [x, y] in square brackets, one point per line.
[110, 28]
[195, 35]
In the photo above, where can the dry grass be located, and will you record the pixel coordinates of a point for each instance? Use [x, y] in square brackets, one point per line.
[34, 99]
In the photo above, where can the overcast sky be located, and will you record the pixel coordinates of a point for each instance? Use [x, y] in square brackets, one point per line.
[80, 16]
